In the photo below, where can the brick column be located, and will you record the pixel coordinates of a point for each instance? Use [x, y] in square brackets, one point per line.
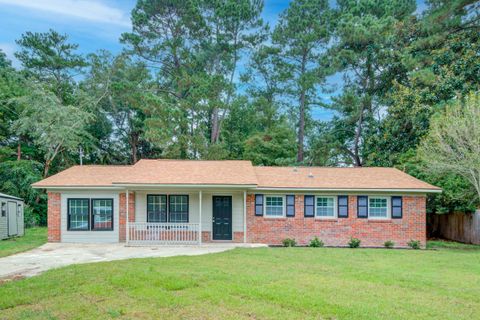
[54, 217]
[122, 211]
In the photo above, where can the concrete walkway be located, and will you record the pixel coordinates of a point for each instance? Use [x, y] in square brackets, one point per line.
[54, 255]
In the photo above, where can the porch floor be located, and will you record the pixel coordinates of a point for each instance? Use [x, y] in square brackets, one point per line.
[55, 255]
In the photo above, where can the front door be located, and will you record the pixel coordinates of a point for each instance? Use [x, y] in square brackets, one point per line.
[222, 218]
[12, 219]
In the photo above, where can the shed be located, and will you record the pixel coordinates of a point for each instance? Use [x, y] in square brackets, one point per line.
[11, 216]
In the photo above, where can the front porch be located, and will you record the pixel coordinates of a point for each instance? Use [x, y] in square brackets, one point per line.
[180, 216]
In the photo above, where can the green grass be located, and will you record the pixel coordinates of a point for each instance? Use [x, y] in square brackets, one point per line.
[33, 238]
[436, 244]
[262, 283]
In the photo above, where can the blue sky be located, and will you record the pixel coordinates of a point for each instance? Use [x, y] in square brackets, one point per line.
[93, 24]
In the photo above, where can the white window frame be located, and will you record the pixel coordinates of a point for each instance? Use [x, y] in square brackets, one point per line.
[284, 210]
[335, 210]
[388, 208]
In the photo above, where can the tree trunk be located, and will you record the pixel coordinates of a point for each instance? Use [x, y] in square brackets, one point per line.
[301, 116]
[19, 150]
[134, 146]
[214, 130]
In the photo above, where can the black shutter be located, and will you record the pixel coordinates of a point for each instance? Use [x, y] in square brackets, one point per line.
[362, 207]
[259, 204]
[309, 206]
[397, 207]
[290, 205]
[342, 206]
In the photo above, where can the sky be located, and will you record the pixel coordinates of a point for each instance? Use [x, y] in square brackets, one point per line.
[94, 25]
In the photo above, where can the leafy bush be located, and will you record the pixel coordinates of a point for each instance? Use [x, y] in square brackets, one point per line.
[414, 244]
[316, 243]
[354, 243]
[289, 242]
[389, 244]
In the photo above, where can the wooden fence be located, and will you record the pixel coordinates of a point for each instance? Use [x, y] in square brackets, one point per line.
[462, 227]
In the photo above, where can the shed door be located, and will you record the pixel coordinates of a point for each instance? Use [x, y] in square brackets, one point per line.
[12, 219]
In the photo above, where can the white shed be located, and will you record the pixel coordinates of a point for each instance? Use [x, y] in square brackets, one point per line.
[11, 216]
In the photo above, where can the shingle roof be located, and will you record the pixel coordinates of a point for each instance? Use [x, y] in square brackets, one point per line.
[234, 172]
[337, 178]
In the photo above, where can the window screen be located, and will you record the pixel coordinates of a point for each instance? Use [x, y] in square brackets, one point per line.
[78, 214]
[273, 206]
[102, 214]
[156, 208]
[178, 208]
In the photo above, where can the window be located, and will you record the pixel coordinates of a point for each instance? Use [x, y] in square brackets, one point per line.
[102, 214]
[78, 214]
[377, 207]
[325, 207]
[178, 207]
[156, 208]
[274, 206]
[4, 209]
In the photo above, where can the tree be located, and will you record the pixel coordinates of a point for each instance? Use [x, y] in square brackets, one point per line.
[53, 126]
[51, 59]
[195, 45]
[365, 51]
[452, 144]
[300, 38]
[121, 88]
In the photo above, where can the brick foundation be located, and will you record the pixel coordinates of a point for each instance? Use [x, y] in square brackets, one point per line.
[337, 232]
[54, 217]
[207, 237]
[122, 221]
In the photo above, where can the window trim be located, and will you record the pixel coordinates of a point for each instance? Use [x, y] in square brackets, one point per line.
[68, 215]
[388, 217]
[335, 214]
[91, 215]
[166, 209]
[188, 207]
[265, 206]
[3, 208]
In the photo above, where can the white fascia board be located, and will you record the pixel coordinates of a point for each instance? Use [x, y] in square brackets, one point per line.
[351, 190]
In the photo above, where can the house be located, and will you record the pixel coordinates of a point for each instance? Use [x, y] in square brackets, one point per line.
[190, 202]
[11, 216]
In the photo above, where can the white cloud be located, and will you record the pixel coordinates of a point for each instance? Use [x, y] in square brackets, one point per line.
[92, 10]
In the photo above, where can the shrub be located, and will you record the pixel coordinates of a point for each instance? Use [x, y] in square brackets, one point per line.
[354, 243]
[289, 242]
[414, 244]
[389, 244]
[316, 243]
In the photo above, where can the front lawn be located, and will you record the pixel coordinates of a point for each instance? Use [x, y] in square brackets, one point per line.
[33, 238]
[272, 283]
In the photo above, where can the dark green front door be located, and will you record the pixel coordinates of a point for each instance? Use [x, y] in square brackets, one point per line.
[222, 218]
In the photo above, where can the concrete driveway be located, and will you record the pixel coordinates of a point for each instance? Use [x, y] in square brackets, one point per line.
[54, 255]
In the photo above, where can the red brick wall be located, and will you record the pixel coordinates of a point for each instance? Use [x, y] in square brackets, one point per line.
[122, 210]
[53, 217]
[207, 236]
[337, 232]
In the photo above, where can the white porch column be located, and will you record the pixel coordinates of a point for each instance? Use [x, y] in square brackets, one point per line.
[244, 216]
[200, 217]
[127, 231]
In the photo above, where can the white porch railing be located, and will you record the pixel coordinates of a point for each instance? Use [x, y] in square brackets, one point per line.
[149, 233]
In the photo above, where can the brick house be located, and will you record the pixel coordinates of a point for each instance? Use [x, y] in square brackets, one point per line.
[190, 202]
